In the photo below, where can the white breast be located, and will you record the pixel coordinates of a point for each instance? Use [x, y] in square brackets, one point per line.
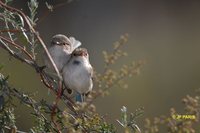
[78, 77]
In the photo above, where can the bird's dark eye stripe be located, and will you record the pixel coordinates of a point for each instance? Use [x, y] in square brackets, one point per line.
[65, 43]
[75, 54]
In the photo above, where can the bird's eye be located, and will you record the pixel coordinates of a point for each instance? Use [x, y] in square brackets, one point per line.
[65, 43]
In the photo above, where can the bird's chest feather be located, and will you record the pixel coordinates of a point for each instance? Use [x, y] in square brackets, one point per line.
[78, 76]
[76, 62]
[81, 72]
[80, 68]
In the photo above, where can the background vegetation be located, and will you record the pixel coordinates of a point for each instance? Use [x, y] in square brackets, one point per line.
[166, 37]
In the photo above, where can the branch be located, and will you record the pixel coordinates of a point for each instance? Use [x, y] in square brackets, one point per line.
[58, 95]
[18, 131]
[120, 78]
[35, 33]
[18, 46]
[11, 52]
[29, 101]
[47, 12]
[45, 79]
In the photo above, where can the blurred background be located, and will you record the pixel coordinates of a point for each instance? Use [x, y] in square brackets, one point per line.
[165, 33]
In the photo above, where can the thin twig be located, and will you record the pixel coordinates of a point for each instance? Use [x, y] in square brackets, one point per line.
[10, 30]
[29, 101]
[111, 85]
[35, 33]
[18, 131]
[47, 12]
[41, 42]
[11, 52]
[67, 101]
[45, 79]
[9, 34]
[16, 45]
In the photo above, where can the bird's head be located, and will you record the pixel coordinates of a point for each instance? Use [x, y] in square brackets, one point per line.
[62, 41]
[80, 52]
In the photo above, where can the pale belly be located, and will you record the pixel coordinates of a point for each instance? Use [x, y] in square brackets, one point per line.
[78, 79]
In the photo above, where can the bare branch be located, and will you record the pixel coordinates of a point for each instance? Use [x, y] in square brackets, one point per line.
[11, 52]
[35, 33]
[18, 131]
[18, 46]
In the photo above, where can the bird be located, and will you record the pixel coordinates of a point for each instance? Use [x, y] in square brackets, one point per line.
[78, 72]
[60, 50]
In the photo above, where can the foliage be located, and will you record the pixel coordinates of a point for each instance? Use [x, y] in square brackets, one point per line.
[176, 122]
[20, 39]
[130, 123]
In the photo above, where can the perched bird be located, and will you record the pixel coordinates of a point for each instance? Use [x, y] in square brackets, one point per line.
[60, 50]
[78, 72]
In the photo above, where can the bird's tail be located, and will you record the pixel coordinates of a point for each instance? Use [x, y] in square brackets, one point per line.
[75, 43]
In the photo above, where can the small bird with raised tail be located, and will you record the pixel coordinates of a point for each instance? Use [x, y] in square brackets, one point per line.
[78, 73]
[60, 50]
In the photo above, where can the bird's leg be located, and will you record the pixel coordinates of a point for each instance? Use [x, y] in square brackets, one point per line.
[79, 97]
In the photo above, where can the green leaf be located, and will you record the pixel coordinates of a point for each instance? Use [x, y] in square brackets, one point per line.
[50, 7]
[8, 2]
[18, 20]
[23, 38]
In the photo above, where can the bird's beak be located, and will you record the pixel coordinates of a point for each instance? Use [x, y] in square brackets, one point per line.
[83, 54]
[80, 53]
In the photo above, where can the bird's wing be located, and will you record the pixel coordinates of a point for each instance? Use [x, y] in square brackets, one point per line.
[91, 72]
[75, 43]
